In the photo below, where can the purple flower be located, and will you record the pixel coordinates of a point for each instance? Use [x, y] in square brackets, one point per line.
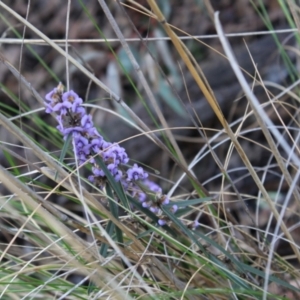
[53, 96]
[174, 208]
[161, 222]
[106, 145]
[98, 172]
[152, 186]
[112, 168]
[86, 122]
[118, 175]
[92, 132]
[126, 185]
[79, 110]
[91, 178]
[76, 131]
[195, 224]
[136, 173]
[146, 204]
[96, 144]
[82, 148]
[120, 154]
[136, 191]
[165, 200]
[142, 196]
[62, 107]
[73, 99]
[116, 154]
[81, 141]
[154, 209]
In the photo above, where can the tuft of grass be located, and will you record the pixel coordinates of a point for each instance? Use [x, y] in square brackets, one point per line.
[63, 237]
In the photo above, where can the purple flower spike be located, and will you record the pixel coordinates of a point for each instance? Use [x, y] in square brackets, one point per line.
[74, 121]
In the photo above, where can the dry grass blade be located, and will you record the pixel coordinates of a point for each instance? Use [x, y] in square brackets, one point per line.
[253, 100]
[178, 45]
[202, 83]
[212, 101]
[142, 80]
[273, 146]
[101, 277]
